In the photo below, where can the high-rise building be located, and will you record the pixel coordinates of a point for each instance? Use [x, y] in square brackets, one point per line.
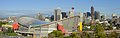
[71, 12]
[64, 15]
[92, 14]
[61, 17]
[96, 15]
[57, 14]
[40, 16]
[52, 18]
[114, 16]
[102, 17]
[119, 17]
[84, 17]
[88, 14]
[81, 17]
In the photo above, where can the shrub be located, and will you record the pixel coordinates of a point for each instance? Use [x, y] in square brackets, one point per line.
[55, 34]
[99, 32]
[12, 34]
[113, 35]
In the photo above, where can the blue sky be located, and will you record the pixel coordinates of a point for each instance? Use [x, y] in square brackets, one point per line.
[30, 7]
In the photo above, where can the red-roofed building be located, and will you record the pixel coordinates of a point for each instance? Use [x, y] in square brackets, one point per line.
[15, 25]
[60, 27]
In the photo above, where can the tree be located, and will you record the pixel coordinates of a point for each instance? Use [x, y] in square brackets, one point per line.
[92, 27]
[0, 24]
[86, 35]
[75, 35]
[10, 30]
[55, 34]
[113, 35]
[99, 31]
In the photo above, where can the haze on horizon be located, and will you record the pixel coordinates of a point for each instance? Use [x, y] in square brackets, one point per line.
[32, 7]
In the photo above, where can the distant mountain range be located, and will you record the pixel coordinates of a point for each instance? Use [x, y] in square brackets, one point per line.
[7, 13]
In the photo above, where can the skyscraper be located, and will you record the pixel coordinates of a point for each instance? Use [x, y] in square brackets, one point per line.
[57, 14]
[52, 18]
[64, 15]
[92, 14]
[96, 15]
[81, 17]
[88, 14]
[71, 12]
[114, 18]
[84, 17]
[40, 16]
[102, 17]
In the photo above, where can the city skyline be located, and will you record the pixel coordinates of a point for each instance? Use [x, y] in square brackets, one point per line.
[59, 19]
[30, 7]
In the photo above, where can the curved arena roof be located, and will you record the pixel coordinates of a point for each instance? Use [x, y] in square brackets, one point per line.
[28, 21]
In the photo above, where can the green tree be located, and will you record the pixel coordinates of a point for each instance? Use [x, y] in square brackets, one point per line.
[75, 35]
[99, 32]
[11, 34]
[86, 35]
[10, 30]
[1, 24]
[113, 35]
[55, 34]
[92, 27]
